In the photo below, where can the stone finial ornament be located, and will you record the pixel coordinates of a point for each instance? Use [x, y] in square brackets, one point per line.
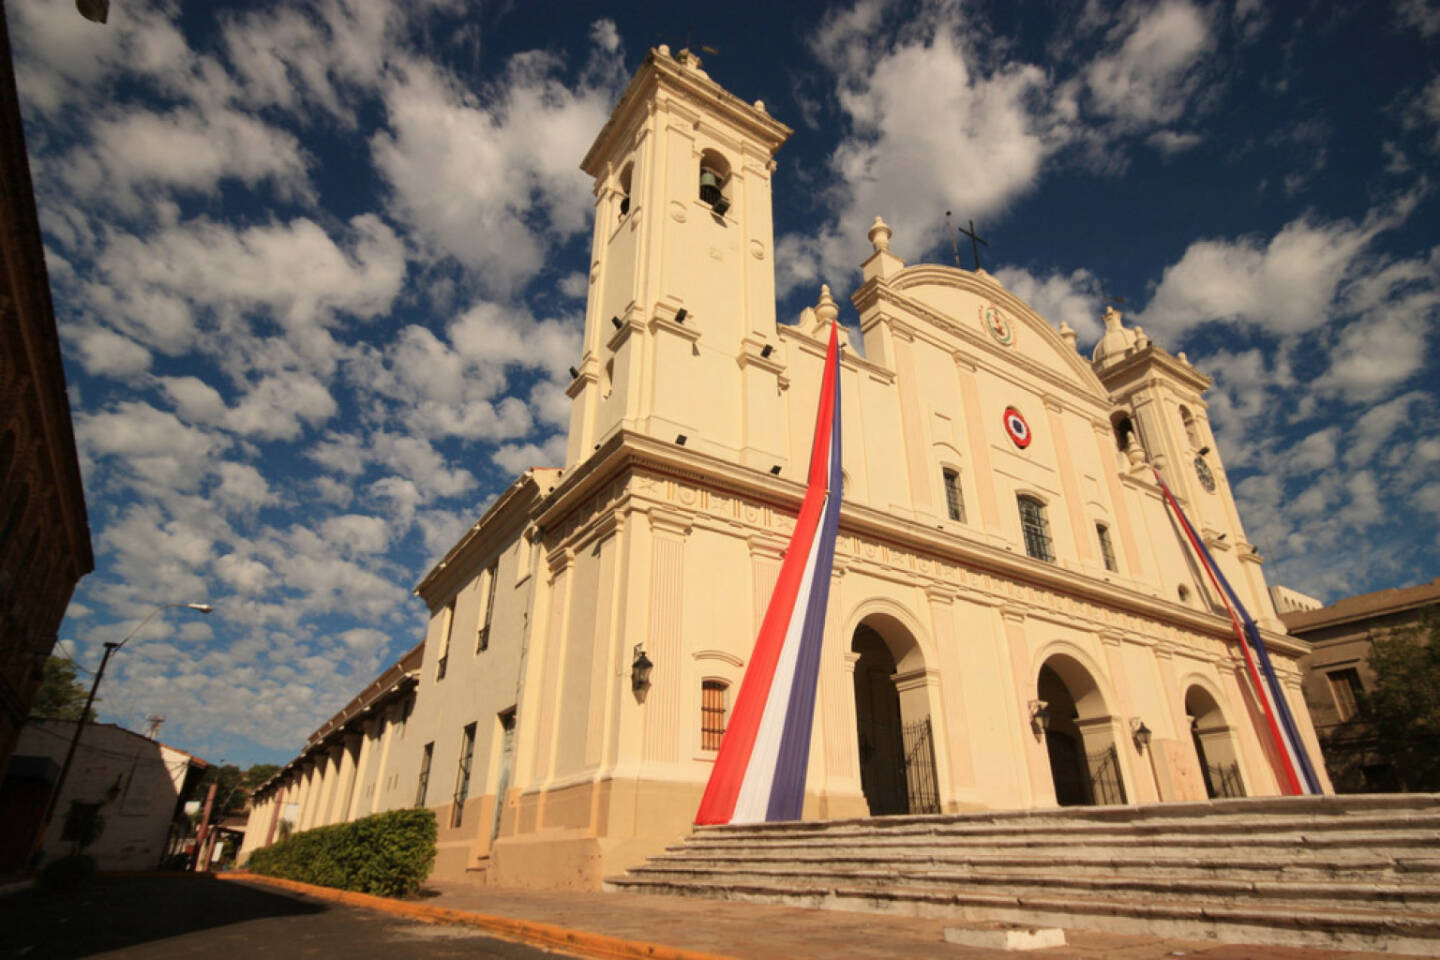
[663, 49]
[879, 235]
[1141, 340]
[1135, 452]
[1067, 333]
[825, 309]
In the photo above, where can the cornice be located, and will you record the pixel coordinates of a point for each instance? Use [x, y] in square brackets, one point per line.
[662, 73]
[938, 551]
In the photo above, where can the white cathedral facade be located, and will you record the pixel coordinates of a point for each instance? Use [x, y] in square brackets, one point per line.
[1014, 619]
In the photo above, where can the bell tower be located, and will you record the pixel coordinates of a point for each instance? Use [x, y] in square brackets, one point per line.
[1162, 398]
[682, 278]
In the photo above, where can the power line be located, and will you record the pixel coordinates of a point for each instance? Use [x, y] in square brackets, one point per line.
[70, 656]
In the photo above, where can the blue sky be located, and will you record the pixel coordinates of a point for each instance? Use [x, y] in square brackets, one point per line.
[318, 273]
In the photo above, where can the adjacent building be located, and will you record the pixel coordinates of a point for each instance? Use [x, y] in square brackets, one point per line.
[44, 532]
[119, 803]
[1338, 674]
[1014, 618]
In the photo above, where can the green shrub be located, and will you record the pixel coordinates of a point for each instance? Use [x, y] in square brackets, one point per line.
[66, 873]
[389, 854]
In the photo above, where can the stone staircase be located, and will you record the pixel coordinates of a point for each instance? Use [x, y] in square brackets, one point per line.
[1357, 872]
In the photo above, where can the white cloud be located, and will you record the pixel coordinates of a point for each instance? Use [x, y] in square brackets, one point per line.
[1076, 299]
[931, 129]
[276, 406]
[1153, 75]
[294, 272]
[357, 533]
[106, 353]
[1421, 16]
[414, 459]
[516, 458]
[493, 182]
[242, 487]
[1170, 142]
[186, 149]
[1285, 285]
[155, 446]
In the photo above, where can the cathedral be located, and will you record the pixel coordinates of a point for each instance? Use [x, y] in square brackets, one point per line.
[1015, 619]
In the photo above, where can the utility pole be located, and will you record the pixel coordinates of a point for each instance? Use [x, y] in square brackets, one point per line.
[110, 647]
[201, 862]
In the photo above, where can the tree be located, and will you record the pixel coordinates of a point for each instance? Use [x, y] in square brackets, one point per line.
[257, 774]
[1404, 706]
[61, 696]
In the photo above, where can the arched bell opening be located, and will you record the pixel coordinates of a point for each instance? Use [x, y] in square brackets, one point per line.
[894, 734]
[1214, 746]
[1079, 735]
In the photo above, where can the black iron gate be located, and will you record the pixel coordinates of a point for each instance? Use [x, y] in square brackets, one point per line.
[921, 782]
[1221, 782]
[1105, 783]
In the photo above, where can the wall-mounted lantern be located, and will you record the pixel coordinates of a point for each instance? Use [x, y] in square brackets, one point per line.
[1039, 717]
[640, 669]
[1140, 734]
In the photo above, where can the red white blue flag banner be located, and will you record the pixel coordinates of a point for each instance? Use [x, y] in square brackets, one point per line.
[759, 773]
[1297, 774]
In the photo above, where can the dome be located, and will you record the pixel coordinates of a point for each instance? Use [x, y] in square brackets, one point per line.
[1116, 343]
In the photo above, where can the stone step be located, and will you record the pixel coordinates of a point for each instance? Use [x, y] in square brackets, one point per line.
[1367, 867]
[1397, 930]
[1296, 846]
[1418, 897]
[1378, 807]
[895, 827]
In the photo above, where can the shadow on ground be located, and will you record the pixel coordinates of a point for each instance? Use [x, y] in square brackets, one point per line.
[111, 913]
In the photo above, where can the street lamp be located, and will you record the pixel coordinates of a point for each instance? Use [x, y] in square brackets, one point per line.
[110, 647]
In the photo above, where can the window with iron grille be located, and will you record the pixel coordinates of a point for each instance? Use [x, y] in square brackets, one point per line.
[1036, 529]
[482, 639]
[424, 786]
[712, 713]
[954, 500]
[462, 775]
[444, 659]
[1107, 549]
[1345, 685]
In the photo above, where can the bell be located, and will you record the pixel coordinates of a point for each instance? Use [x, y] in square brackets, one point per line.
[95, 10]
[710, 190]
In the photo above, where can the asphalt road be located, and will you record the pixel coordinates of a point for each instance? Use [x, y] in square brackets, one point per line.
[163, 917]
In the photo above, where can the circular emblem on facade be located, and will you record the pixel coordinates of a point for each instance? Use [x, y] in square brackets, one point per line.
[1018, 429]
[993, 320]
[1202, 470]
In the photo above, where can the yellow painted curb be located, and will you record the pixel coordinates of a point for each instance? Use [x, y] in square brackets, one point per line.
[578, 942]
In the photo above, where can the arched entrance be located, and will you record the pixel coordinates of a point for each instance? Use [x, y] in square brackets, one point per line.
[892, 715]
[1214, 747]
[1080, 738]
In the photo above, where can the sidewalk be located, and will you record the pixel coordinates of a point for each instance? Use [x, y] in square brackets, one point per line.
[764, 932]
[753, 931]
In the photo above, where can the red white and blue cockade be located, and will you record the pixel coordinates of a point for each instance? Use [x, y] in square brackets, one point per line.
[759, 773]
[1017, 428]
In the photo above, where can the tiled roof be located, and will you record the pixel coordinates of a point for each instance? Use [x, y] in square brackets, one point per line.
[1365, 605]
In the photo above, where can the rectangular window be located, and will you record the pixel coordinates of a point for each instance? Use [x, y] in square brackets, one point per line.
[712, 714]
[81, 823]
[1107, 549]
[462, 775]
[444, 659]
[482, 638]
[1347, 689]
[1036, 529]
[954, 500]
[423, 787]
